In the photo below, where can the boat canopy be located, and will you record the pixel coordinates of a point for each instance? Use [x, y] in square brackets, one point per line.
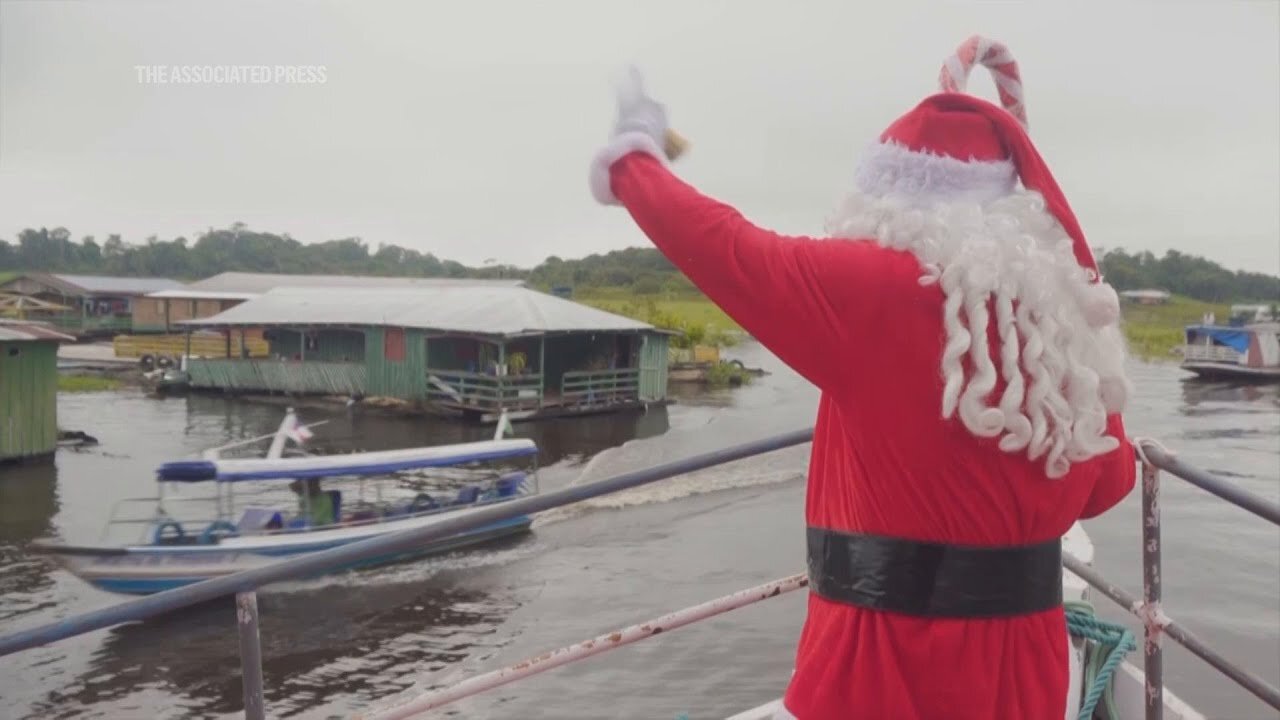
[366, 463]
[1235, 338]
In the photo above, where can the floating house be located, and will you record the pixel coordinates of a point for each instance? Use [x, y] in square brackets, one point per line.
[1248, 351]
[28, 390]
[161, 310]
[88, 305]
[1146, 297]
[463, 349]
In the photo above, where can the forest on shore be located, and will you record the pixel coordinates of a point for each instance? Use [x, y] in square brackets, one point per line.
[638, 271]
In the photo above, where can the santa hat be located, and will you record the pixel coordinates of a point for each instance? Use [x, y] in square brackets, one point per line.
[956, 147]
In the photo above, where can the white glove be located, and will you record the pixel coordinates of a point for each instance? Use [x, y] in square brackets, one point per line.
[641, 126]
[637, 112]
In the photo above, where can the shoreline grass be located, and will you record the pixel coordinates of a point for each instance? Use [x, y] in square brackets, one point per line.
[1153, 332]
[86, 383]
[700, 321]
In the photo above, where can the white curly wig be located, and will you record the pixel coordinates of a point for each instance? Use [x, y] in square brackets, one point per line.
[1000, 257]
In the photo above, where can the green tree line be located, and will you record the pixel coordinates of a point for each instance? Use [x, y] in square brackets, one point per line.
[1189, 275]
[643, 271]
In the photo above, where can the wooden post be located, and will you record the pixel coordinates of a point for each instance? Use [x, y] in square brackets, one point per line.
[501, 375]
[1153, 654]
[542, 370]
[243, 353]
[302, 345]
[188, 353]
[250, 655]
[426, 366]
[166, 315]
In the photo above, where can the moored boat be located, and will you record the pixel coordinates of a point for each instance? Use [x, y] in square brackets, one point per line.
[1248, 351]
[243, 524]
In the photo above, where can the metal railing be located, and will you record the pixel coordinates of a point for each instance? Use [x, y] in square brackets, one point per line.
[244, 584]
[1210, 353]
[1155, 623]
[479, 391]
[600, 387]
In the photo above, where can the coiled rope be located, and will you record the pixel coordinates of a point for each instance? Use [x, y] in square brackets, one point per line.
[1106, 645]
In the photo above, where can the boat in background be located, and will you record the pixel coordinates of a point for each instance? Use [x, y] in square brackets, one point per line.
[1247, 348]
[246, 522]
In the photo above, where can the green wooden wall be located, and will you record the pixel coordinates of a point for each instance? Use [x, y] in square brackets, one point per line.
[28, 399]
[331, 345]
[370, 372]
[653, 367]
[405, 379]
[310, 377]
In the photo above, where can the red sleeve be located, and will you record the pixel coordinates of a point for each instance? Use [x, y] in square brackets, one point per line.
[802, 298]
[1119, 473]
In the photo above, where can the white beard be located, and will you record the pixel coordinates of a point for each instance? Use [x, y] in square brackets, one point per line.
[1061, 351]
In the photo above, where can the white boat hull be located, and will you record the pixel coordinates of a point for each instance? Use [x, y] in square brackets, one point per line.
[1226, 370]
[146, 569]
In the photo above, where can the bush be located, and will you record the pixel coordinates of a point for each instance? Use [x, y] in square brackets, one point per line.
[86, 383]
[727, 374]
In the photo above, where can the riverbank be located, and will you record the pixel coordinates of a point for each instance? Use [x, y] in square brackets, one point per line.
[695, 315]
[68, 383]
[1153, 331]
[1157, 331]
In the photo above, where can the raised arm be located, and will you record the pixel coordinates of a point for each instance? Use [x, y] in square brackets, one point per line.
[800, 297]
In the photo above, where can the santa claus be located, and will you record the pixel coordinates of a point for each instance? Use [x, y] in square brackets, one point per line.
[972, 377]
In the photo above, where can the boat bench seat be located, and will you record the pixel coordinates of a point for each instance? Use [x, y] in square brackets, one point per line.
[259, 519]
[509, 484]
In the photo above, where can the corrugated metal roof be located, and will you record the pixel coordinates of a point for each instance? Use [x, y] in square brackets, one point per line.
[185, 294]
[27, 331]
[258, 283]
[122, 285]
[480, 310]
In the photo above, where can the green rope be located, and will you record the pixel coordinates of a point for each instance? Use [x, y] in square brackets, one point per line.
[1107, 644]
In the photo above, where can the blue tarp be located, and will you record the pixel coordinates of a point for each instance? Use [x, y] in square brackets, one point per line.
[1237, 340]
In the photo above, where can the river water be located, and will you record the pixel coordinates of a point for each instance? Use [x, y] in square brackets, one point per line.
[335, 645]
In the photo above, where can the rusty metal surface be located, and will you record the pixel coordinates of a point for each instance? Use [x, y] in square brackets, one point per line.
[1179, 634]
[1153, 658]
[1157, 455]
[250, 654]
[579, 651]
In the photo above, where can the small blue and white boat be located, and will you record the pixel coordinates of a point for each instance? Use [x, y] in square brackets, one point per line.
[247, 523]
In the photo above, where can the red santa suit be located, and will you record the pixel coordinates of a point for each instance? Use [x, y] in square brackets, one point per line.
[971, 371]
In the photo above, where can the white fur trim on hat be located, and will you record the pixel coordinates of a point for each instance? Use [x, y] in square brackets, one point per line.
[891, 170]
[617, 148]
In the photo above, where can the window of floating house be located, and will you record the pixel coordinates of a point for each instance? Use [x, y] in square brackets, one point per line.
[393, 344]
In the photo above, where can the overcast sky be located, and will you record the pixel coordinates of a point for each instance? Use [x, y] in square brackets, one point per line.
[465, 128]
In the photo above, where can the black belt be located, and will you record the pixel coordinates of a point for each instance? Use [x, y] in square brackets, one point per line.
[934, 579]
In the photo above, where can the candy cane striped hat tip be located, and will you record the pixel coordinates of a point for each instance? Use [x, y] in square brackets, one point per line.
[955, 147]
